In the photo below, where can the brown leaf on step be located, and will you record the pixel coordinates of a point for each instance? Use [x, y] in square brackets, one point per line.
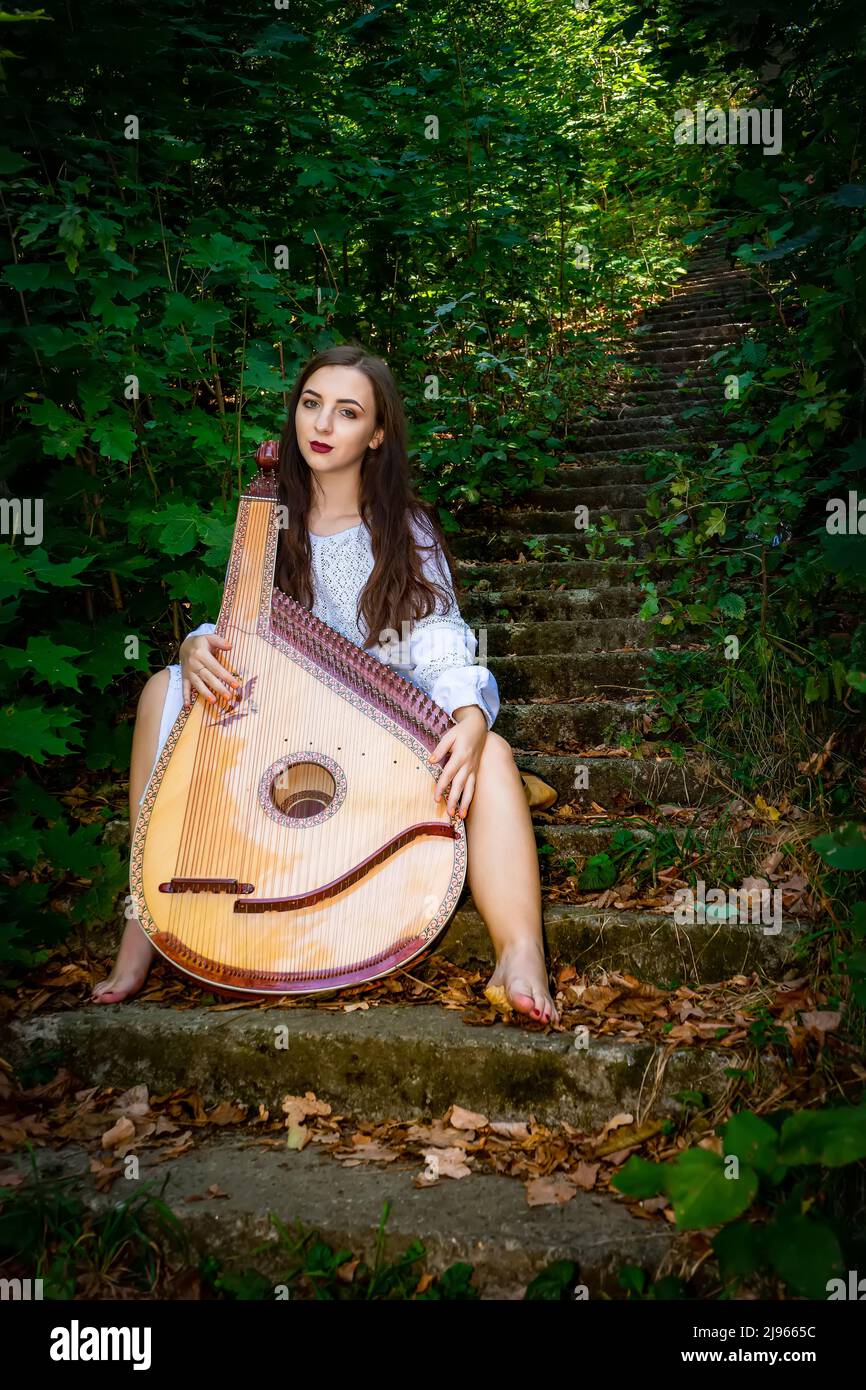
[632, 1135]
[104, 1171]
[10, 1178]
[181, 1144]
[496, 995]
[346, 1271]
[299, 1107]
[119, 1134]
[442, 1163]
[510, 1129]
[459, 1118]
[654, 1204]
[550, 1191]
[438, 1135]
[216, 1191]
[620, 1155]
[584, 1175]
[821, 1021]
[371, 1152]
[227, 1113]
[683, 1032]
[538, 794]
[599, 997]
[133, 1102]
[616, 1123]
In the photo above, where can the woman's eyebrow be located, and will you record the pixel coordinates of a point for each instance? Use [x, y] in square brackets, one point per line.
[343, 400]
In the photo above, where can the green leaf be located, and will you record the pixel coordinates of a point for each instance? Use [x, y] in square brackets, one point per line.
[752, 1140]
[598, 872]
[701, 1193]
[36, 731]
[731, 605]
[45, 658]
[805, 1253]
[832, 1137]
[640, 1178]
[844, 848]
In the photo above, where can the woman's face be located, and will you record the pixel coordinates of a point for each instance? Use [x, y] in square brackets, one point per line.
[337, 412]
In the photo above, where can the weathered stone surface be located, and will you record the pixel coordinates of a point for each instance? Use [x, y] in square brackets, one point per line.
[389, 1061]
[483, 1220]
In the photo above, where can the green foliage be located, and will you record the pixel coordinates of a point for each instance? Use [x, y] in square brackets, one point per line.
[761, 1161]
[745, 526]
[46, 1229]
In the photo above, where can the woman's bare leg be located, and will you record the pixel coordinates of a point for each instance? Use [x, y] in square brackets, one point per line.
[136, 953]
[505, 881]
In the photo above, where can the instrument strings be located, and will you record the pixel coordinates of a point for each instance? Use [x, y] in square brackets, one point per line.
[287, 856]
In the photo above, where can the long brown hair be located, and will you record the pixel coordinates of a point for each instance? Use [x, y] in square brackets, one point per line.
[396, 588]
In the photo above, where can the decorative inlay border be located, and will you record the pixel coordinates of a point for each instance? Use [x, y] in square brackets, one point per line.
[291, 760]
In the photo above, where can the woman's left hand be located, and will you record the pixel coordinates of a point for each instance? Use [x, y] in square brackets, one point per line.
[464, 742]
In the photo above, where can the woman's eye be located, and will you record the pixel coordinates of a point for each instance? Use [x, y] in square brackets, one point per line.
[352, 414]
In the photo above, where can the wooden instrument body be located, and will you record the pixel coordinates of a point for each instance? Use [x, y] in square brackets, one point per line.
[292, 844]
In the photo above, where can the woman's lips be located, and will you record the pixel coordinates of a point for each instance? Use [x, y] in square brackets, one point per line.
[320, 448]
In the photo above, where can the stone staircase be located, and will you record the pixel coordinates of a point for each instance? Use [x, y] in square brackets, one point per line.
[570, 656]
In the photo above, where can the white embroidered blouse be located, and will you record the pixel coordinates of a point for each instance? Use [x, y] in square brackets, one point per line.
[438, 652]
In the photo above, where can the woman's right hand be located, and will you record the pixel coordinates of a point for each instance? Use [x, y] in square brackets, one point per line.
[200, 670]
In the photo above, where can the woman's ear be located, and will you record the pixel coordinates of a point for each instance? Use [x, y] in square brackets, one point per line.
[376, 439]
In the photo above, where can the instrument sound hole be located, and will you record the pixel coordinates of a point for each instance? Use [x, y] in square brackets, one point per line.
[302, 790]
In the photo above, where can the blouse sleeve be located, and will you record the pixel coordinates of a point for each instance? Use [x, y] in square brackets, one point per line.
[203, 629]
[442, 646]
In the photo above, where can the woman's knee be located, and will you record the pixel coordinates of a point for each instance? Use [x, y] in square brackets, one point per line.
[497, 748]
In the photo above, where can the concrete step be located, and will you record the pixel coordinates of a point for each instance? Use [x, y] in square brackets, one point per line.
[564, 605]
[684, 334]
[664, 316]
[664, 356]
[549, 635]
[476, 575]
[650, 946]
[617, 782]
[483, 1220]
[560, 545]
[563, 493]
[388, 1062]
[601, 474]
[565, 677]
[567, 726]
[532, 521]
[661, 435]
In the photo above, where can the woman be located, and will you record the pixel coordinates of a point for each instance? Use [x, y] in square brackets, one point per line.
[361, 551]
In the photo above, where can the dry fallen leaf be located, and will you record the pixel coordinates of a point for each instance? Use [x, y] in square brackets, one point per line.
[510, 1129]
[442, 1163]
[465, 1119]
[550, 1191]
[584, 1175]
[227, 1113]
[119, 1133]
[498, 998]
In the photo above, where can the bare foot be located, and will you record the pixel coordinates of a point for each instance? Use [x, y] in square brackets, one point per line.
[130, 969]
[522, 972]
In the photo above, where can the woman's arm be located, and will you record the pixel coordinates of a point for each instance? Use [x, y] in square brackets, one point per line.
[442, 647]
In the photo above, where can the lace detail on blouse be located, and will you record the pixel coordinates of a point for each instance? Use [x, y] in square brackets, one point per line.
[440, 651]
